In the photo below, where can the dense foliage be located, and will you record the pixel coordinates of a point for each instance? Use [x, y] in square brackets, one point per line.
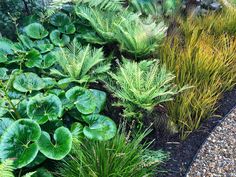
[157, 68]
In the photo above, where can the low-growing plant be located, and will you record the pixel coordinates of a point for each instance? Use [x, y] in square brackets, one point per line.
[205, 61]
[140, 87]
[120, 156]
[138, 37]
[81, 64]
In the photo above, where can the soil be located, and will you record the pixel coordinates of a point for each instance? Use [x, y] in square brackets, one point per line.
[182, 153]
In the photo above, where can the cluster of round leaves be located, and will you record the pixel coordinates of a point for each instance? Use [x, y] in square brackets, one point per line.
[29, 142]
[37, 46]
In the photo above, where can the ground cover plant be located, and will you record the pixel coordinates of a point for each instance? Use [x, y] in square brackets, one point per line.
[73, 72]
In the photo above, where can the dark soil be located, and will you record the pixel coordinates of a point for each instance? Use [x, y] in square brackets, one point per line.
[183, 152]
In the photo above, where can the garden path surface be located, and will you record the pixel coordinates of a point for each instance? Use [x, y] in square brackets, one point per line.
[217, 157]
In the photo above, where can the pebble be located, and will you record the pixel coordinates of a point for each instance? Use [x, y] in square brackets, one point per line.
[217, 157]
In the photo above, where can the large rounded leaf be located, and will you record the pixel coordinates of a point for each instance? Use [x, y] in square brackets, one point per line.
[4, 124]
[26, 41]
[19, 142]
[62, 146]
[36, 31]
[59, 38]
[27, 82]
[43, 108]
[83, 99]
[33, 58]
[68, 29]
[100, 127]
[44, 45]
[100, 99]
[3, 74]
[59, 19]
[6, 46]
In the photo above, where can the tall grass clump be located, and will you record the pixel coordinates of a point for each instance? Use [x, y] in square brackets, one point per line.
[218, 23]
[118, 157]
[205, 61]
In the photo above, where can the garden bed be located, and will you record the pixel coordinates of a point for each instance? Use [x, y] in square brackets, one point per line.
[184, 152]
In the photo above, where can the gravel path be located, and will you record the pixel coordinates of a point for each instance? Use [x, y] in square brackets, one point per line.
[217, 158]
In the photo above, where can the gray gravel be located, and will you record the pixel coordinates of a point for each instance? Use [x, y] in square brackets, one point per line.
[217, 158]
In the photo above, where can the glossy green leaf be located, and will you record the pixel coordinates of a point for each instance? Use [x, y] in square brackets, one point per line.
[3, 58]
[4, 124]
[3, 74]
[33, 58]
[6, 46]
[19, 142]
[43, 108]
[27, 82]
[59, 38]
[44, 45]
[67, 29]
[48, 60]
[36, 31]
[100, 99]
[49, 82]
[59, 19]
[59, 149]
[3, 107]
[26, 41]
[83, 99]
[100, 127]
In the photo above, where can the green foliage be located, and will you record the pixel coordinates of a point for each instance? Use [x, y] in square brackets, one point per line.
[142, 86]
[204, 60]
[134, 35]
[119, 156]
[81, 64]
[19, 142]
[139, 38]
[59, 149]
[6, 168]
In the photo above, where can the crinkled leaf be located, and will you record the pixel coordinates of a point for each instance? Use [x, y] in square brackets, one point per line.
[26, 41]
[36, 31]
[59, 19]
[49, 82]
[4, 124]
[3, 107]
[68, 29]
[27, 82]
[3, 57]
[43, 108]
[6, 46]
[100, 127]
[44, 45]
[59, 38]
[19, 142]
[34, 58]
[3, 74]
[59, 149]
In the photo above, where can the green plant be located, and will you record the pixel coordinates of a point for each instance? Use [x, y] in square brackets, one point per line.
[205, 61]
[120, 156]
[81, 64]
[137, 37]
[6, 168]
[140, 87]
